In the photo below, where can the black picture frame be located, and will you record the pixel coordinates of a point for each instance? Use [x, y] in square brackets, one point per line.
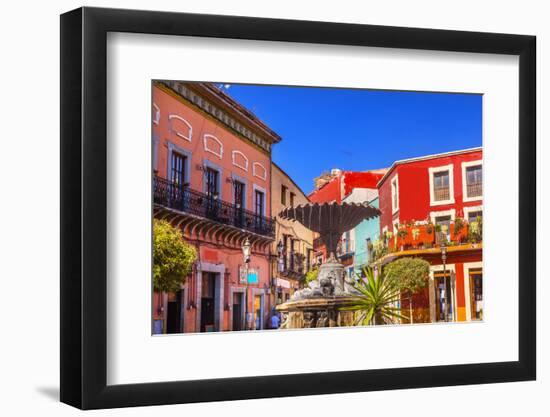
[84, 207]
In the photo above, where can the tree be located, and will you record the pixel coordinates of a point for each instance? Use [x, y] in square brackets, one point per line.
[376, 299]
[172, 257]
[410, 276]
[312, 275]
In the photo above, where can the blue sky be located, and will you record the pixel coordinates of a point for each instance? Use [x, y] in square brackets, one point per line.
[358, 130]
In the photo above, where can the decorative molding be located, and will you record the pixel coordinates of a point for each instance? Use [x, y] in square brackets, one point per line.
[254, 171]
[233, 159]
[207, 148]
[156, 115]
[217, 113]
[189, 135]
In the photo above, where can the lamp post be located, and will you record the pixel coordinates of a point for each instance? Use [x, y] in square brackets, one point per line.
[246, 257]
[445, 298]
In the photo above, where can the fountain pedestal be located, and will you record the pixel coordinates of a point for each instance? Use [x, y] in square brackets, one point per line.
[320, 304]
[315, 312]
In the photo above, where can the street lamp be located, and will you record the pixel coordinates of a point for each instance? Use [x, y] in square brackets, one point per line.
[445, 299]
[246, 257]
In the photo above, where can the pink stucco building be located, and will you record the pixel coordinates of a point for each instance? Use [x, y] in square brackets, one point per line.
[212, 175]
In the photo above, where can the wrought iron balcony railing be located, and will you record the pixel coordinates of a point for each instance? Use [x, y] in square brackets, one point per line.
[474, 189]
[441, 193]
[184, 199]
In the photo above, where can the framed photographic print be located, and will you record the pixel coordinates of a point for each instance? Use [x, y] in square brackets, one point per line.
[237, 188]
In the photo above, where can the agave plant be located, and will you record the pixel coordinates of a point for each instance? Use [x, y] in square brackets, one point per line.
[376, 299]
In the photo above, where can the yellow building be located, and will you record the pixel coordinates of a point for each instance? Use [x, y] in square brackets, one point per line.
[292, 251]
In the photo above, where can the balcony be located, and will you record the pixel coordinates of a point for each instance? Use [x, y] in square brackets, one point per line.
[185, 200]
[293, 266]
[426, 236]
[426, 239]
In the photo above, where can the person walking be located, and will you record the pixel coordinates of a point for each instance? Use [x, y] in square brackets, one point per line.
[275, 321]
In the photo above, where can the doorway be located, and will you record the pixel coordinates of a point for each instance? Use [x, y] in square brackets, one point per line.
[444, 305]
[258, 311]
[238, 311]
[476, 293]
[174, 316]
[208, 296]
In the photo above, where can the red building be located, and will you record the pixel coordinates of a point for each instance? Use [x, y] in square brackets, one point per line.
[212, 175]
[431, 205]
[335, 187]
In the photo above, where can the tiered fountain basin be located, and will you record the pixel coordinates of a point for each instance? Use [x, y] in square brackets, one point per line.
[320, 304]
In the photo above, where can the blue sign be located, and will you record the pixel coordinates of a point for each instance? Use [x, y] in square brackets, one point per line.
[252, 277]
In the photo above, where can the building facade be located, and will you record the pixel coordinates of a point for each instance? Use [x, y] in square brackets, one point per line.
[432, 207]
[366, 234]
[292, 250]
[211, 179]
[344, 186]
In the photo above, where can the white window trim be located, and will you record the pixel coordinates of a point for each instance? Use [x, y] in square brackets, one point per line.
[467, 210]
[467, 304]
[395, 180]
[156, 118]
[465, 165]
[394, 223]
[243, 167]
[179, 134]
[256, 164]
[434, 170]
[450, 212]
[205, 139]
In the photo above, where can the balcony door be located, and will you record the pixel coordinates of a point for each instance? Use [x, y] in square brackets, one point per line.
[443, 224]
[259, 208]
[238, 199]
[213, 193]
[178, 179]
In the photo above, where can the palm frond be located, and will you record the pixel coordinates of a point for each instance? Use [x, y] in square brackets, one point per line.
[377, 297]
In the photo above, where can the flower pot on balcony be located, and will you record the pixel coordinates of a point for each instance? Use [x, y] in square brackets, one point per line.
[459, 234]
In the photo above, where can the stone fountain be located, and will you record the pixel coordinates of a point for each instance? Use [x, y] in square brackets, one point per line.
[318, 305]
